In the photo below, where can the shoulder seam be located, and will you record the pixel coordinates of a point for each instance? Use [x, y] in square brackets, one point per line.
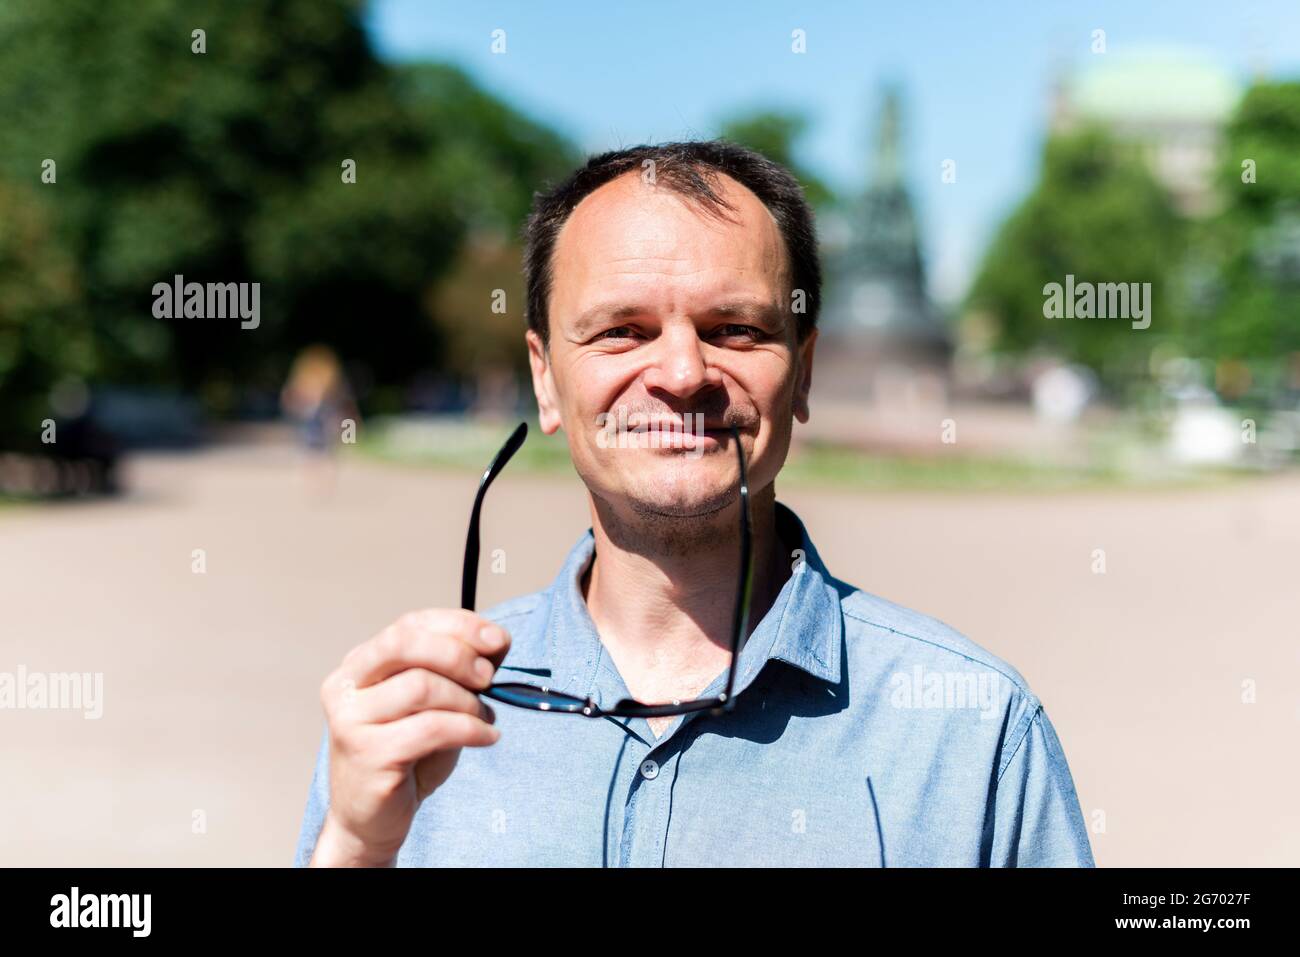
[1031, 715]
[1016, 683]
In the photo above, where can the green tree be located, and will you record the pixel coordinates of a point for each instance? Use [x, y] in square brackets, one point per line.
[227, 165]
[1256, 241]
[1098, 214]
[43, 338]
[775, 134]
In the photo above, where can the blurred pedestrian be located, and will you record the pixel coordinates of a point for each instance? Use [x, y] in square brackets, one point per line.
[318, 398]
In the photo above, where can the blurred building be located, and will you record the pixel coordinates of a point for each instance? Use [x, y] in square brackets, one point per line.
[882, 339]
[1169, 105]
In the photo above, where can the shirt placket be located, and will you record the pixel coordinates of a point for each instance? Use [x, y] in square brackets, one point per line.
[649, 765]
[649, 803]
[643, 779]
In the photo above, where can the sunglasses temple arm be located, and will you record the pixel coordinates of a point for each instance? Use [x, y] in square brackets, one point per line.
[469, 573]
[740, 621]
[742, 614]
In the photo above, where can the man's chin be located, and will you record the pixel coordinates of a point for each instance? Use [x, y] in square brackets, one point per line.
[690, 500]
[677, 509]
[670, 484]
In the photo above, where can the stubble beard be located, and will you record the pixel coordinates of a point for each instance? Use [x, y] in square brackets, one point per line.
[667, 529]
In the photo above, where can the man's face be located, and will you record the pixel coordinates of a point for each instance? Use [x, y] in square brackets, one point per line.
[659, 310]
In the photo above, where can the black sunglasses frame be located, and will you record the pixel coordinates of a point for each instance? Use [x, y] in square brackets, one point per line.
[538, 698]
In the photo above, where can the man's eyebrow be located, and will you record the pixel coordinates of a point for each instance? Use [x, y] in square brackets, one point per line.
[762, 312]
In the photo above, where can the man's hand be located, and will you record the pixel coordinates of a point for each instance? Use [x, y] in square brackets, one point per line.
[399, 708]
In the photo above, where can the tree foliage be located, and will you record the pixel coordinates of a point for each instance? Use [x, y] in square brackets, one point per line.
[774, 134]
[227, 166]
[1254, 311]
[1096, 213]
[1226, 287]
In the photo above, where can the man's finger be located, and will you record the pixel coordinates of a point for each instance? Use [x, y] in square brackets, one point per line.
[412, 690]
[417, 735]
[400, 647]
[486, 637]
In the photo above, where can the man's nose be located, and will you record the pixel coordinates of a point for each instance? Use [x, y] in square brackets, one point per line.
[680, 367]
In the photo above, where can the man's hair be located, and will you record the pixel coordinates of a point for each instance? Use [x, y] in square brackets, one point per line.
[692, 170]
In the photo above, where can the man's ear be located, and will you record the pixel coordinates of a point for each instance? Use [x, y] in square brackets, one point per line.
[804, 385]
[548, 404]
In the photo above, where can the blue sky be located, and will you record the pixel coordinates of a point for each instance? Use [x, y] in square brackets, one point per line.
[976, 77]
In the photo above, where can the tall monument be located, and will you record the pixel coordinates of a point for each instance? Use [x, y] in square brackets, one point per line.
[880, 329]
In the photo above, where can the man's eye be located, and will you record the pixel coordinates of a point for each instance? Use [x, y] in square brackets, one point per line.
[618, 332]
[735, 329]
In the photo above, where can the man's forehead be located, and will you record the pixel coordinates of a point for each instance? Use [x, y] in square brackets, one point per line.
[633, 227]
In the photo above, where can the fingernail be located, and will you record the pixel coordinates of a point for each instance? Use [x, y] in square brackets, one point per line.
[483, 668]
[494, 636]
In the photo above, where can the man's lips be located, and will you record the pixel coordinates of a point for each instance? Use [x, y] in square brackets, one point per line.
[684, 440]
[675, 437]
[673, 425]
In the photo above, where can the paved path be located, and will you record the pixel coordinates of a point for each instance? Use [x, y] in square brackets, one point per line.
[210, 680]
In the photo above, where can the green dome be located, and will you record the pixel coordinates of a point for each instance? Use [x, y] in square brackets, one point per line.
[1154, 86]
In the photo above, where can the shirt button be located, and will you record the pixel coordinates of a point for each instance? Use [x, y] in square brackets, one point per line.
[649, 770]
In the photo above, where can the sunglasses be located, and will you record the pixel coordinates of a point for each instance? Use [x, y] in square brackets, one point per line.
[537, 698]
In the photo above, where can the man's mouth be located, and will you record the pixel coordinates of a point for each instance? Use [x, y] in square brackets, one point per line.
[673, 434]
[676, 425]
[689, 440]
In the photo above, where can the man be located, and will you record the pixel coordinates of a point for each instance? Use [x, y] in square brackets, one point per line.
[667, 282]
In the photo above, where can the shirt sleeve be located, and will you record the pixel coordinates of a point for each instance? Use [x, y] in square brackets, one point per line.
[318, 802]
[1037, 819]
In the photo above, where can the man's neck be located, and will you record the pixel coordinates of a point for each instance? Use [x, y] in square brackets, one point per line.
[662, 594]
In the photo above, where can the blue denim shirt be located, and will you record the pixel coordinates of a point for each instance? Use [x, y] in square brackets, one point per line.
[864, 734]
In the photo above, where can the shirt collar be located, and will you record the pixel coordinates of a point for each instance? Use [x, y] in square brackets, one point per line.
[804, 627]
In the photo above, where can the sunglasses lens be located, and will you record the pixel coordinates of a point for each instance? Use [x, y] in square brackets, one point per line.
[531, 696]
